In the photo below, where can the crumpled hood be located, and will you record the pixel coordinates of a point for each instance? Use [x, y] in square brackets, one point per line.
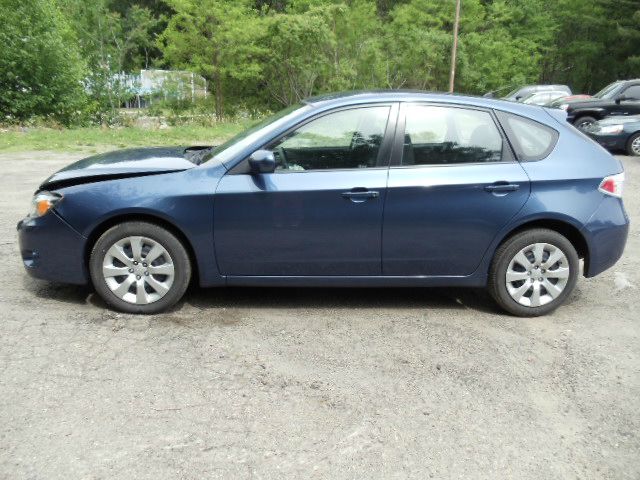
[126, 163]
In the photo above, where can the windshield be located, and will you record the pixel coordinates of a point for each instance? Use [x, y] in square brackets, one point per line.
[609, 91]
[512, 93]
[530, 97]
[545, 97]
[231, 147]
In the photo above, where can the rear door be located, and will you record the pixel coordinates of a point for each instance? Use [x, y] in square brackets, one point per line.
[452, 185]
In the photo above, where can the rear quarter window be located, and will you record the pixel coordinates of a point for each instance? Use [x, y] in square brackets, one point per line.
[530, 140]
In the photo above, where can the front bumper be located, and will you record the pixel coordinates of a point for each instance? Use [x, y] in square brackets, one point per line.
[52, 250]
[611, 142]
[606, 233]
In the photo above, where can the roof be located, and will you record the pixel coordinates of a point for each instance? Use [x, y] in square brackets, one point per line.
[332, 100]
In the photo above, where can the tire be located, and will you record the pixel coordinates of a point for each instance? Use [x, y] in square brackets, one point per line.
[633, 145]
[556, 285]
[584, 122]
[126, 282]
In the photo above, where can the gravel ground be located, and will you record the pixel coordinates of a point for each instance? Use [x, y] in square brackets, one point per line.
[314, 383]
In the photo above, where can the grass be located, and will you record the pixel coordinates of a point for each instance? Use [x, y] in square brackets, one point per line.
[100, 139]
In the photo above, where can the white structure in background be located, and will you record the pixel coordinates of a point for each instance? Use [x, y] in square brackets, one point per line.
[154, 84]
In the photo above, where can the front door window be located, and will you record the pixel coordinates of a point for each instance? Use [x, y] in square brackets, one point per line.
[347, 139]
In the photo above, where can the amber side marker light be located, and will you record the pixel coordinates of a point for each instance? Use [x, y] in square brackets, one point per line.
[43, 202]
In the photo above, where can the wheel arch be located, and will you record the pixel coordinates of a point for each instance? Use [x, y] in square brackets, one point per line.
[106, 224]
[598, 114]
[564, 228]
[630, 140]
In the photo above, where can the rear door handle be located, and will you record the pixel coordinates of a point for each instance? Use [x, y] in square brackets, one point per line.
[502, 187]
[359, 196]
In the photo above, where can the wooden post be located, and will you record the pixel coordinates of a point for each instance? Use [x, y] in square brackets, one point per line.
[454, 48]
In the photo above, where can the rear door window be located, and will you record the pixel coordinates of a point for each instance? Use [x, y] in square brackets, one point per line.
[438, 135]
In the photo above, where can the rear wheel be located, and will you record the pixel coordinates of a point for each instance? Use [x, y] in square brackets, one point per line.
[633, 145]
[533, 272]
[584, 123]
[139, 267]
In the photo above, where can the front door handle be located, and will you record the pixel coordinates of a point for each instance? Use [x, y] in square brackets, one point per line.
[359, 195]
[502, 188]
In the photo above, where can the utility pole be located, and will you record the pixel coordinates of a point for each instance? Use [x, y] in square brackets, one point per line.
[454, 48]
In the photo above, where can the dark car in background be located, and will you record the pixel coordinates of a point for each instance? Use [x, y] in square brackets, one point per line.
[618, 98]
[386, 189]
[563, 102]
[618, 134]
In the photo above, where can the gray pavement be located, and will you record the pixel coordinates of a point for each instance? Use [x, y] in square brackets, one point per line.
[314, 383]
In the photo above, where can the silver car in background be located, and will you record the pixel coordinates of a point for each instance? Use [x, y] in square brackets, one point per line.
[543, 98]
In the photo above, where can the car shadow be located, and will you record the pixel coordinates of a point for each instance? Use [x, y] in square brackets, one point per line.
[289, 297]
[60, 292]
[319, 298]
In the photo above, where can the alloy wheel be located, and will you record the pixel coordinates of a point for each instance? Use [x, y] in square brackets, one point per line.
[138, 270]
[537, 274]
[635, 146]
[585, 125]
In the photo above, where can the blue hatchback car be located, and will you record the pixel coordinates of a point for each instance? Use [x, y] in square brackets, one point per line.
[392, 189]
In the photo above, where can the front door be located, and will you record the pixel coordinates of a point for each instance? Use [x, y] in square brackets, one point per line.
[320, 212]
[455, 185]
[629, 104]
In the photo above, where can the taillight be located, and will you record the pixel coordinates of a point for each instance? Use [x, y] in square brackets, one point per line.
[612, 185]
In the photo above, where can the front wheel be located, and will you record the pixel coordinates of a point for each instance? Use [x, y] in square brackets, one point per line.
[533, 272]
[139, 267]
[584, 123]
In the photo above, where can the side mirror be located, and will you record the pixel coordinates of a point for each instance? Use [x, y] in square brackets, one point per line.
[620, 98]
[262, 161]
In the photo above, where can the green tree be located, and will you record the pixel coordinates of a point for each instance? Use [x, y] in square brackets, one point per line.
[506, 45]
[142, 22]
[295, 56]
[215, 38]
[596, 44]
[99, 34]
[356, 52]
[417, 45]
[262, 54]
[41, 71]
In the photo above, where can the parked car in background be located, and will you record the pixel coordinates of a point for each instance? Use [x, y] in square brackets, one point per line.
[542, 98]
[618, 134]
[563, 102]
[475, 192]
[618, 98]
[521, 92]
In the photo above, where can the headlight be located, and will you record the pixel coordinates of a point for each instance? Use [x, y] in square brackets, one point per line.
[43, 202]
[610, 129]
